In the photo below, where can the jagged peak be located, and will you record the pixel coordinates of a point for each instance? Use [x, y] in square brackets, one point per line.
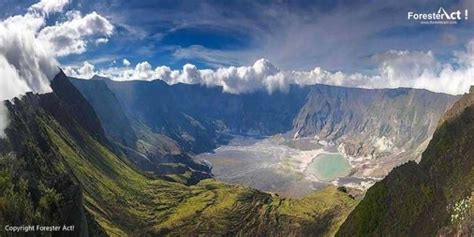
[78, 106]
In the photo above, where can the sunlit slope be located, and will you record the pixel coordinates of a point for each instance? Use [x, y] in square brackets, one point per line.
[124, 201]
[55, 145]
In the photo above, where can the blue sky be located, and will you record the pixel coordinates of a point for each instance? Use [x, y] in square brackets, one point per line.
[294, 35]
[241, 46]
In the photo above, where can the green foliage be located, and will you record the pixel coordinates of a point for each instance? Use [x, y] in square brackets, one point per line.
[124, 201]
[65, 172]
[16, 204]
[16, 207]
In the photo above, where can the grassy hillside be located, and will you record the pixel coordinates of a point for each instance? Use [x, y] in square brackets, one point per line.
[68, 174]
[124, 201]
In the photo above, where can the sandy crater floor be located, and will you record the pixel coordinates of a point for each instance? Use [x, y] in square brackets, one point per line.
[286, 166]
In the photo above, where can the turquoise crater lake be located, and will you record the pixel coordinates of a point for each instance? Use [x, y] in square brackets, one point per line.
[328, 167]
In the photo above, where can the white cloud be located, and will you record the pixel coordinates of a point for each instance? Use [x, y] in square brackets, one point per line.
[87, 70]
[143, 70]
[215, 57]
[70, 37]
[416, 69]
[125, 62]
[423, 70]
[405, 65]
[49, 6]
[3, 119]
[25, 64]
[28, 50]
[101, 41]
[15, 85]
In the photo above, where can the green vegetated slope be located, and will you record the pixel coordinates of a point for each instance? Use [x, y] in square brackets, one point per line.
[150, 151]
[434, 197]
[59, 169]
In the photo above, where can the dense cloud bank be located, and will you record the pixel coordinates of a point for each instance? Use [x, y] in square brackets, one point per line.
[29, 47]
[393, 69]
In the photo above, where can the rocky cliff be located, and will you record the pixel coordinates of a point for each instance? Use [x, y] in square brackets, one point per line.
[432, 198]
[379, 129]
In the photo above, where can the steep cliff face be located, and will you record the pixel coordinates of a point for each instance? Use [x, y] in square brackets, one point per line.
[372, 122]
[148, 150]
[434, 197]
[195, 116]
[114, 120]
[380, 129]
[56, 168]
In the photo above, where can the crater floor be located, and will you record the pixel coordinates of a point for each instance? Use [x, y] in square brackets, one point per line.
[289, 167]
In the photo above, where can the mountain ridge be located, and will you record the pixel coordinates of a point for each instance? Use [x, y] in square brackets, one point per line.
[397, 128]
[68, 175]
